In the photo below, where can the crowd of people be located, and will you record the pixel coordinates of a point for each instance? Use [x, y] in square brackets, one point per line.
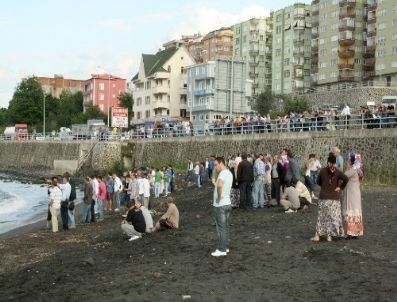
[242, 181]
[257, 181]
[128, 195]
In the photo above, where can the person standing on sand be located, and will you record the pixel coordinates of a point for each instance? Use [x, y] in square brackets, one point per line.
[88, 193]
[109, 193]
[66, 189]
[352, 212]
[222, 206]
[245, 177]
[329, 218]
[101, 197]
[54, 202]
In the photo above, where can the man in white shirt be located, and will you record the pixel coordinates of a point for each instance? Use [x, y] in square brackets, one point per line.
[118, 187]
[66, 189]
[95, 189]
[146, 215]
[346, 115]
[222, 206]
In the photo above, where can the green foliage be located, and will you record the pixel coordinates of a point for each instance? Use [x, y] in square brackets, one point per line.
[294, 104]
[127, 101]
[26, 105]
[264, 102]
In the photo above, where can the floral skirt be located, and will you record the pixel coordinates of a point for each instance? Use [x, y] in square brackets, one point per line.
[353, 223]
[235, 197]
[329, 218]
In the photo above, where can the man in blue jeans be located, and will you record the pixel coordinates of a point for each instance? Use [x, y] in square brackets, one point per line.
[222, 206]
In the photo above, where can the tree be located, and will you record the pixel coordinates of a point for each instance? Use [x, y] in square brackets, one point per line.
[264, 102]
[26, 105]
[294, 104]
[127, 101]
[91, 112]
[70, 106]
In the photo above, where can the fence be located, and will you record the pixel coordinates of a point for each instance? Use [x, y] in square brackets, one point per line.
[303, 124]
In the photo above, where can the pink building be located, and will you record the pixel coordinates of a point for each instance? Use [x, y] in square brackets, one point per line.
[102, 90]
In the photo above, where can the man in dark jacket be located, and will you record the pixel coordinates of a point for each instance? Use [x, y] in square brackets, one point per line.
[245, 177]
[134, 224]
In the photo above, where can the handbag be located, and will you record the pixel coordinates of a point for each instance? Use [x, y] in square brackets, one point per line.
[71, 206]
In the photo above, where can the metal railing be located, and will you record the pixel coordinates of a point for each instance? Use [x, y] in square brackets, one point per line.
[298, 124]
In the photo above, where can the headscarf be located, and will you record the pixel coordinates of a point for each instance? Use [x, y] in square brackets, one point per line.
[357, 163]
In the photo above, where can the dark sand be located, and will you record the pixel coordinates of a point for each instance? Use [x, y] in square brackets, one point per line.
[271, 259]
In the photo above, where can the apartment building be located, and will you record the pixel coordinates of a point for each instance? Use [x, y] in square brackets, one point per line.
[291, 56]
[58, 83]
[354, 41]
[252, 42]
[217, 89]
[380, 58]
[192, 43]
[217, 43]
[160, 85]
[103, 90]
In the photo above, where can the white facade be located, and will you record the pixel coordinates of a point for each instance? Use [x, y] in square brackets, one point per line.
[162, 92]
[217, 89]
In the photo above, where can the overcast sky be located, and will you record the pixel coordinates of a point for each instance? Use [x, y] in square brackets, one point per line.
[76, 38]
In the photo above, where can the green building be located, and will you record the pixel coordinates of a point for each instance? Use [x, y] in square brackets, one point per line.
[291, 55]
[252, 43]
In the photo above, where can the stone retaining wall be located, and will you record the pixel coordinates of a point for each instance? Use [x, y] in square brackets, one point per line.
[355, 97]
[377, 146]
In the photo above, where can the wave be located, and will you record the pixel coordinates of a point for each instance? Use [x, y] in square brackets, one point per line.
[10, 203]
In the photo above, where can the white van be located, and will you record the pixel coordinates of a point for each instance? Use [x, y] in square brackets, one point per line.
[389, 100]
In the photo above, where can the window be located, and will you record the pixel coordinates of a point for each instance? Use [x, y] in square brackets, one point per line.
[287, 73]
[357, 61]
[147, 100]
[394, 50]
[278, 18]
[101, 86]
[323, 64]
[139, 102]
[139, 115]
[101, 97]
[394, 36]
[381, 26]
[333, 62]
[278, 29]
[147, 113]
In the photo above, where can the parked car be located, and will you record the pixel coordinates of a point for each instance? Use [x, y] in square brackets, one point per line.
[38, 137]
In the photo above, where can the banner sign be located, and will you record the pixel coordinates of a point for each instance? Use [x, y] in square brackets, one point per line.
[119, 117]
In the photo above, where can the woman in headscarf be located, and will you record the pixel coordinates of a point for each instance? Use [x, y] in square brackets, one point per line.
[329, 218]
[352, 213]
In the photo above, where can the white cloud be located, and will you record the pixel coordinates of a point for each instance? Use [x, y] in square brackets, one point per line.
[206, 19]
[117, 24]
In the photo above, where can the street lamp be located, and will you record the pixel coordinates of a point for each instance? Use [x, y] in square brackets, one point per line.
[44, 113]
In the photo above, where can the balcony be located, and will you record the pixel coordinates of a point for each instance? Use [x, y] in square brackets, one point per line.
[253, 63]
[345, 66]
[183, 90]
[268, 75]
[160, 90]
[346, 41]
[369, 52]
[348, 13]
[315, 2]
[161, 75]
[254, 52]
[299, 40]
[372, 5]
[372, 20]
[315, 49]
[346, 53]
[315, 12]
[298, 51]
[371, 34]
[344, 26]
[347, 3]
[203, 92]
[161, 104]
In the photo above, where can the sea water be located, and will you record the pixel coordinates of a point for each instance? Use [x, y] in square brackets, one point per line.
[21, 204]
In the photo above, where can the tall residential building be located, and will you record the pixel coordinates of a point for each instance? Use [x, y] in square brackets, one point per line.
[160, 84]
[252, 42]
[291, 58]
[380, 56]
[218, 43]
[103, 90]
[192, 43]
[217, 89]
[58, 83]
[354, 41]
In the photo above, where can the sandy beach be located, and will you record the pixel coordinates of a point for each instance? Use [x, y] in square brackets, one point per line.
[271, 259]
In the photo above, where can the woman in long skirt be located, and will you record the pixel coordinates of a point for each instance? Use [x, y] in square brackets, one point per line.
[329, 218]
[352, 213]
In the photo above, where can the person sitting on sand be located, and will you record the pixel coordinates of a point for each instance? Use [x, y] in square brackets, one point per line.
[134, 224]
[170, 220]
[290, 199]
[146, 215]
[305, 197]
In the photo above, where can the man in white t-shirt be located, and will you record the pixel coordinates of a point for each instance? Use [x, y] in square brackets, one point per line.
[222, 206]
